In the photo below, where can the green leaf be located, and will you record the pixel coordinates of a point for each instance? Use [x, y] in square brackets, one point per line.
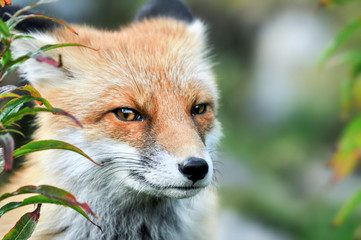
[25, 226]
[15, 63]
[352, 57]
[49, 194]
[10, 119]
[349, 150]
[28, 7]
[33, 92]
[48, 47]
[341, 38]
[14, 105]
[4, 30]
[17, 36]
[9, 95]
[6, 58]
[41, 199]
[347, 209]
[10, 108]
[8, 70]
[12, 130]
[48, 145]
[13, 22]
[356, 70]
[339, 1]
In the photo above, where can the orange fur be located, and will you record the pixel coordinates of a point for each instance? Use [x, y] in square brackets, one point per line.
[155, 66]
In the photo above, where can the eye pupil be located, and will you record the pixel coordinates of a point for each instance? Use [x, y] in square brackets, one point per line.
[127, 114]
[199, 109]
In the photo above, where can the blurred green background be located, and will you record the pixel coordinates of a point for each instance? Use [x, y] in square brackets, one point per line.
[280, 114]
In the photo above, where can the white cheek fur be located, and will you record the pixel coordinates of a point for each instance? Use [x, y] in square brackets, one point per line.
[123, 167]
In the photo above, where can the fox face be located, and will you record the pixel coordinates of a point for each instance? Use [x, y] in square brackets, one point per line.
[146, 97]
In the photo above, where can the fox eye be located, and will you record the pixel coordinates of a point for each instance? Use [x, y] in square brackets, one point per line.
[128, 114]
[199, 109]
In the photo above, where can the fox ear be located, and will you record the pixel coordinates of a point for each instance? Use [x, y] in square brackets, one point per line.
[37, 70]
[172, 9]
[165, 8]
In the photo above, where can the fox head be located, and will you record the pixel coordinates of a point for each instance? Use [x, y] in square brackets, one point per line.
[146, 96]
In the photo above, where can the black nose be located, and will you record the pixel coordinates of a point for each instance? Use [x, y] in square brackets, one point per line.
[194, 168]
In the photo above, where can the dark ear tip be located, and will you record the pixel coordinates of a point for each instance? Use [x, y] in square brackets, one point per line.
[165, 8]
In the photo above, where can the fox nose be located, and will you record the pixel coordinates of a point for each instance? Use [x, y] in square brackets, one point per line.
[194, 168]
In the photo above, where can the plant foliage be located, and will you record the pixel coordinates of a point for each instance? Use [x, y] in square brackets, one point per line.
[14, 111]
[348, 153]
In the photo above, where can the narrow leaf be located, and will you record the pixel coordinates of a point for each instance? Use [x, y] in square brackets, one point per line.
[21, 18]
[13, 106]
[12, 130]
[356, 70]
[10, 119]
[64, 113]
[33, 92]
[15, 63]
[24, 228]
[5, 72]
[54, 46]
[7, 144]
[4, 30]
[341, 38]
[349, 150]
[50, 192]
[9, 95]
[24, 9]
[17, 36]
[347, 209]
[6, 57]
[43, 199]
[48, 145]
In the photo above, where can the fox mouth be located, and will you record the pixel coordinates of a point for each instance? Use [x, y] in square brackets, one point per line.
[168, 187]
[184, 188]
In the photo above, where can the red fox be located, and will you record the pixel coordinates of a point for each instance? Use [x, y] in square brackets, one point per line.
[147, 99]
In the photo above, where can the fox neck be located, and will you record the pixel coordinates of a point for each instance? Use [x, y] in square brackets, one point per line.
[128, 215]
[123, 213]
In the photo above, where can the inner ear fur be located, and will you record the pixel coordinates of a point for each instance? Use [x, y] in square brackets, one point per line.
[36, 72]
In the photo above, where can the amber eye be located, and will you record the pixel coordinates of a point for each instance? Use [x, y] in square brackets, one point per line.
[199, 109]
[128, 114]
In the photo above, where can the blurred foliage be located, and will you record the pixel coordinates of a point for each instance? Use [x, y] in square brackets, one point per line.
[279, 155]
[348, 153]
